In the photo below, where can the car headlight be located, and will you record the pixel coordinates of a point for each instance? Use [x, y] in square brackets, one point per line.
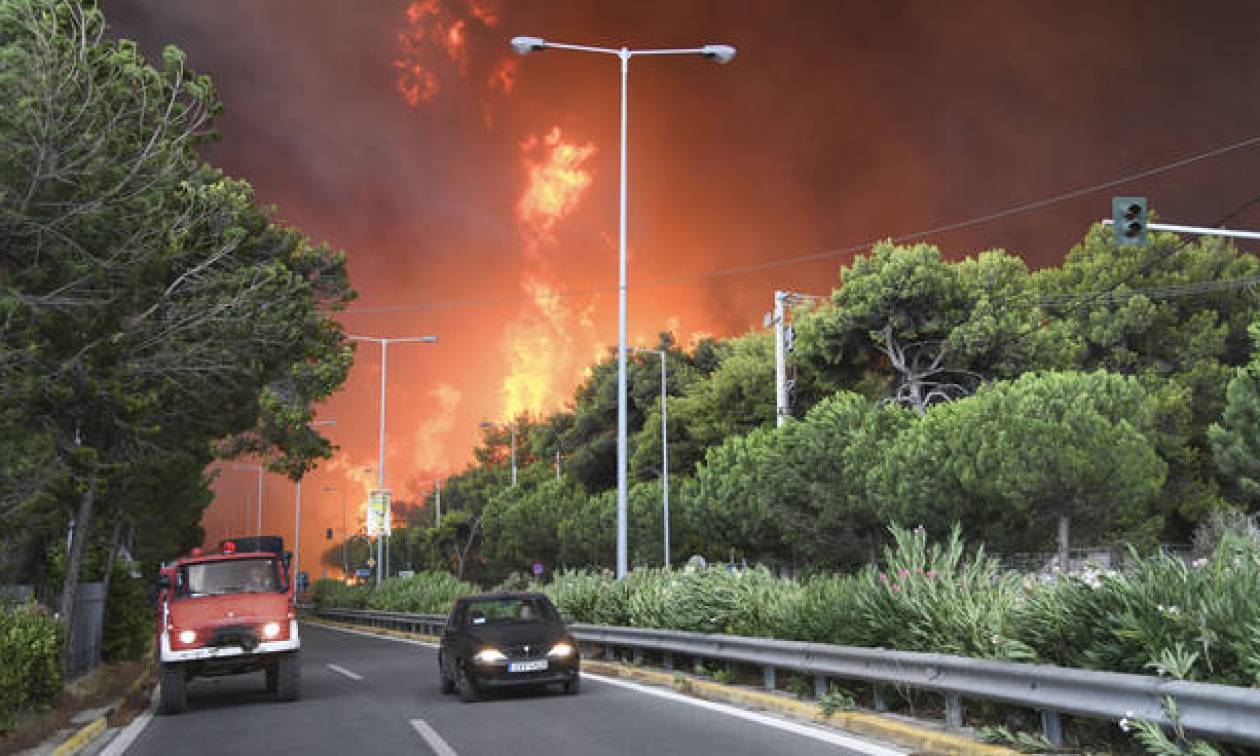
[271, 630]
[187, 636]
[489, 656]
[561, 650]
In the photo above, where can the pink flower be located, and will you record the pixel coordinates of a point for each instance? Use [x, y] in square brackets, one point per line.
[895, 588]
[903, 572]
[931, 575]
[883, 578]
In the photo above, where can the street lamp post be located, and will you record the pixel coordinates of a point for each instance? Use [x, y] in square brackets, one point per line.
[297, 516]
[720, 53]
[385, 342]
[345, 564]
[512, 429]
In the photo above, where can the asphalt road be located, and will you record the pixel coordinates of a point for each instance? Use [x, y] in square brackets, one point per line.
[364, 694]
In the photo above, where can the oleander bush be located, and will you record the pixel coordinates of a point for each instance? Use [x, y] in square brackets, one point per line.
[334, 594]
[423, 593]
[31, 644]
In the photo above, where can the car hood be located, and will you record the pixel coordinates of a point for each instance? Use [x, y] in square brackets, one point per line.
[534, 634]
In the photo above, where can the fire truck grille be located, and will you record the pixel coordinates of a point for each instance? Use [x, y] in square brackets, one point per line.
[235, 635]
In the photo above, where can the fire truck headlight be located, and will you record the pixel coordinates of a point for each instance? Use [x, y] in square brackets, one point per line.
[187, 636]
[271, 630]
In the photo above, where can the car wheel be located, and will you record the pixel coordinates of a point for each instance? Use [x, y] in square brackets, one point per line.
[174, 689]
[288, 677]
[467, 688]
[574, 685]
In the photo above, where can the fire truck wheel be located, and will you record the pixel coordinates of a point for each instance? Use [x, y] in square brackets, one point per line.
[287, 677]
[174, 689]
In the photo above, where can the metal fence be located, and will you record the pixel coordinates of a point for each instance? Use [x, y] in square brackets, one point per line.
[1220, 712]
[83, 650]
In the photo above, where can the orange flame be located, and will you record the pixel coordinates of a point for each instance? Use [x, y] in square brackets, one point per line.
[483, 13]
[546, 345]
[503, 79]
[556, 183]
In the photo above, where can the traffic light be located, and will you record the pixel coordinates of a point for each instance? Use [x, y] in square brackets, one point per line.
[328, 534]
[1128, 216]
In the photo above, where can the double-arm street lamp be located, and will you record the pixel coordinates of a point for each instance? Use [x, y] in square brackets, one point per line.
[512, 429]
[719, 53]
[385, 342]
[297, 515]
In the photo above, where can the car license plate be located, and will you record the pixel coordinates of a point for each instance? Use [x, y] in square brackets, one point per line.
[528, 666]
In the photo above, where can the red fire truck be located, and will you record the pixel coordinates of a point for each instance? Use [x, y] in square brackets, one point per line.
[227, 612]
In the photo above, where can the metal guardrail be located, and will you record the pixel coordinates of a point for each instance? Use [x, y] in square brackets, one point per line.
[1220, 712]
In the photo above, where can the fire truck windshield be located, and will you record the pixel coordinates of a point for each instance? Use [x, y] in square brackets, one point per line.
[229, 576]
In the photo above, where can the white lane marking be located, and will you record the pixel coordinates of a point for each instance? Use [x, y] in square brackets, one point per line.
[439, 746]
[826, 736]
[782, 724]
[119, 745]
[346, 672]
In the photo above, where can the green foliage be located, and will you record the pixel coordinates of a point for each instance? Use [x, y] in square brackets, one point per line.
[836, 699]
[128, 619]
[1236, 438]
[422, 593]
[1156, 741]
[1196, 622]
[31, 645]
[334, 594]
[1024, 742]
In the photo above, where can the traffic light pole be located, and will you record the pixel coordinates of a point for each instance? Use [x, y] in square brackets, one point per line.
[1199, 230]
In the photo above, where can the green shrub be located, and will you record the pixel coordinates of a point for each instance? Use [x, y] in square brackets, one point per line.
[576, 593]
[334, 594]
[31, 645]
[422, 593]
[1198, 621]
[129, 619]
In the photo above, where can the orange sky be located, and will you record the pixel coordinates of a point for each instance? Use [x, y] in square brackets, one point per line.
[470, 187]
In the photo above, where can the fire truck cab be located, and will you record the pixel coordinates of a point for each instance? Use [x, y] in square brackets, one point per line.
[228, 612]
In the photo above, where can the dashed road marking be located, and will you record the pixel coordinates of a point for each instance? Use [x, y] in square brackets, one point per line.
[435, 741]
[346, 672]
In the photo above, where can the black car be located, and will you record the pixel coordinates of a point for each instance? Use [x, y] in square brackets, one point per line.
[496, 640]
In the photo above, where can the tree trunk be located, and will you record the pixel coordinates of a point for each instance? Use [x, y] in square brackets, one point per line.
[1064, 522]
[463, 557]
[74, 559]
[870, 542]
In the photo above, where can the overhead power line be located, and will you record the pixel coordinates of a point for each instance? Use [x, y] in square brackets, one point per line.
[1013, 210]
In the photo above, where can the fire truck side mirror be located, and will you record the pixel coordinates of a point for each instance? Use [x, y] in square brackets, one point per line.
[163, 582]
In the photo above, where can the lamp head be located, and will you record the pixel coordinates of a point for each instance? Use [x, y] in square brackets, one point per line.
[526, 45]
[720, 53]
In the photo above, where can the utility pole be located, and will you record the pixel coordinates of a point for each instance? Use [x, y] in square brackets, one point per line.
[439, 503]
[781, 407]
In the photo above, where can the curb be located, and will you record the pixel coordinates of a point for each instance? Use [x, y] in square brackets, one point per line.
[78, 741]
[873, 725]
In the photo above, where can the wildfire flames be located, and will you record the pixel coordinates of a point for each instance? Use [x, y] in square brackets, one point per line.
[437, 31]
[547, 344]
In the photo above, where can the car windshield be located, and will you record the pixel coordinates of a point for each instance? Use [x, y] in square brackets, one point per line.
[507, 611]
[229, 576]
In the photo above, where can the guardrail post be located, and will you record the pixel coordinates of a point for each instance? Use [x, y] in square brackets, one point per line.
[610, 653]
[820, 686]
[768, 680]
[953, 710]
[667, 660]
[638, 656]
[881, 703]
[1052, 727]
